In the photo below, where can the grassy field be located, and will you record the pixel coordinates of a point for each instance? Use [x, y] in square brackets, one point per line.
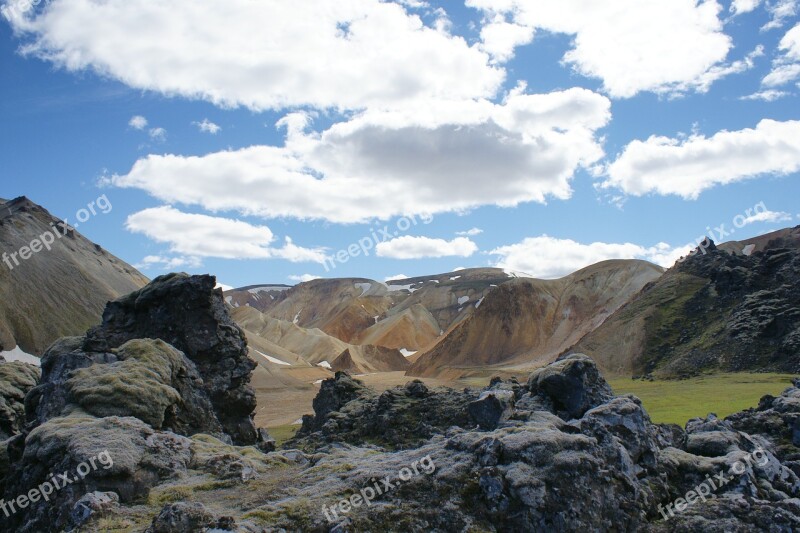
[283, 433]
[678, 401]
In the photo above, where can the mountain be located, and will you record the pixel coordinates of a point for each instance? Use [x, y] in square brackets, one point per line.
[320, 319]
[62, 289]
[285, 343]
[732, 308]
[528, 322]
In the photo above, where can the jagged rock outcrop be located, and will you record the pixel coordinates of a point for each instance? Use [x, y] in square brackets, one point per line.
[16, 380]
[190, 315]
[717, 310]
[347, 411]
[127, 393]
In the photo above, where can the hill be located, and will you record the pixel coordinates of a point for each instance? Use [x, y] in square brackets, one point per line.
[59, 291]
[732, 308]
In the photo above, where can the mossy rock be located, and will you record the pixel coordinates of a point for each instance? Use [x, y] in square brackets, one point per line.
[139, 384]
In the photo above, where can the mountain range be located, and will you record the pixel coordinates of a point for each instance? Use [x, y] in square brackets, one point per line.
[726, 307]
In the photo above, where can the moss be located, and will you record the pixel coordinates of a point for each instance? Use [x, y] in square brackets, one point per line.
[138, 385]
[170, 494]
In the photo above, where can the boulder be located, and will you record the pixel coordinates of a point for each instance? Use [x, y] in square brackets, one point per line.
[570, 386]
[188, 313]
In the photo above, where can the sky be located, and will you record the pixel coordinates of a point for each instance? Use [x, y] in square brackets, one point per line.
[270, 141]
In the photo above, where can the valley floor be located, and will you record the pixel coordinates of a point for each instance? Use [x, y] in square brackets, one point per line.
[672, 401]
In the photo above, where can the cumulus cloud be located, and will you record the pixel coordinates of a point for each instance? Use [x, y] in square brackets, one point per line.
[781, 11]
[158, 134]
[767, 95]
[408, 247]
[138, 122]
[766, 216]
[160, 262]
[631, 45]
[687, 167]
[470, 232]
[785, 67]
[206, 126]
[739, 7]
[501, 38]
[549, 257]
[433, 157]
[263, 55]
[197, 235]
[302, 278]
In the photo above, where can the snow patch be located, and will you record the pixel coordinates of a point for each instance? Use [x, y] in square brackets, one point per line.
[272, 359]
[748, 250]
[479, 302]
[296, 318]
[17, 354]
[407, 353]
[453, 278]
[324, 364]
[318, 382]
[516, 274]
[463, 300]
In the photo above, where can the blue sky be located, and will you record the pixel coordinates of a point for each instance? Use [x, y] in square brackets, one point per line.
[560, 132]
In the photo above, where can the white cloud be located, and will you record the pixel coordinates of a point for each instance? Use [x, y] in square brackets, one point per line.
[687, 167]
[138, 122]
[548, 257]
[408, 247]
[433, 157]
[206, 126]
[264, 55]
[632, 45]
[703, 82]
[781, 10]
[767, 216]
[500, 38]
[470, 232]
[767, 95]
[206, 236]
[158, 134]
[160, 262]
[782, 74]
[744, 6]
[303, 278]
[785, 67]
[396, 277]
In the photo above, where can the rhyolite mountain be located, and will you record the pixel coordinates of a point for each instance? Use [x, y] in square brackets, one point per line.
[447, 324]
[732, 307]
[526, 323]
[56, 292]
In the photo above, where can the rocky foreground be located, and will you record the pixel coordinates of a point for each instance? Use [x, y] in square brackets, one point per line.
[145, 423]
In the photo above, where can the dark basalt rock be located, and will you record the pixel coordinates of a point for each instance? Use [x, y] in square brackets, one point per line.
[348, 411]
[16, 380]
[189, 314]
[191, 517]
[571, 386]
